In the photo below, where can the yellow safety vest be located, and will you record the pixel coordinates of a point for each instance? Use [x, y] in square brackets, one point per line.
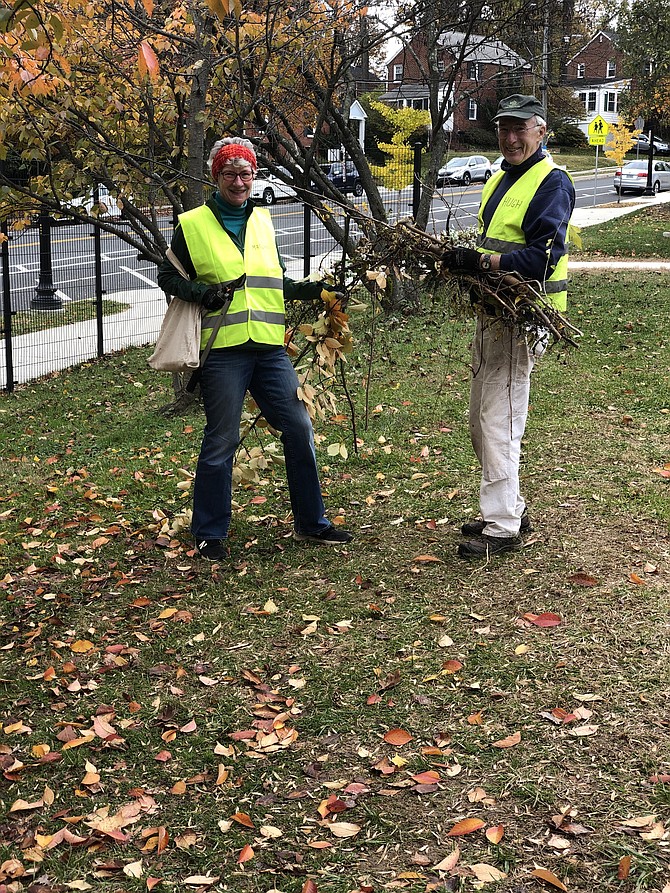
[257, 310]
[505, 233]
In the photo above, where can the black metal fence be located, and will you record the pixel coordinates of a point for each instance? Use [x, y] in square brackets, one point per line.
[73, 292]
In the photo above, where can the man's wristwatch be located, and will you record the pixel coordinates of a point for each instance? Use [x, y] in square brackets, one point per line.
[485, 263]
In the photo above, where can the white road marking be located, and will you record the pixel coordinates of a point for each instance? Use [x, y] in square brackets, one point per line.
[139, 276]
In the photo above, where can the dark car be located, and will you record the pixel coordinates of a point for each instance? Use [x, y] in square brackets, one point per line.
[344, 176]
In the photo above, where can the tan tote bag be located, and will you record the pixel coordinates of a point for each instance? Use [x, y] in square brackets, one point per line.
[178, 344]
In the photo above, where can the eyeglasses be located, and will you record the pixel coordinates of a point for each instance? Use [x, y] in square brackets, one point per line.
[231, 176]
[516, 131]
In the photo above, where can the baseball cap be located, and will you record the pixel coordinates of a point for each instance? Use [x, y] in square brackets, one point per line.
[519, 106]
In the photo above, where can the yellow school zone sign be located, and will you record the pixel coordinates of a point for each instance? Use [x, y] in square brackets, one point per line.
[598, 130]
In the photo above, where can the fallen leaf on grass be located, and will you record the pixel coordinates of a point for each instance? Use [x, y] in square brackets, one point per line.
[449, 862]
[634, 578]
[452, 666]
[624, 868]
[46, 799]
[81, 646]
[543, 620]
[486, 873]
[344, 829]
[199, 880]
[133, 869]
[543, 874]
[583, 731]
[510, 741]
[242, 819]
[495, 833]
[465, 826]
[246, 854]
[397, 737]
[582, 579]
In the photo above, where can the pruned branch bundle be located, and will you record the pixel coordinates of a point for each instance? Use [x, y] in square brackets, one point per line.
[409, 252]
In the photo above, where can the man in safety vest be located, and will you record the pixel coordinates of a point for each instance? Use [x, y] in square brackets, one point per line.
[227, 238]
[523, 223]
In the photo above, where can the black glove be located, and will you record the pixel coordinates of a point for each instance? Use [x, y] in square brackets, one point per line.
[214, 298]
[462, 260]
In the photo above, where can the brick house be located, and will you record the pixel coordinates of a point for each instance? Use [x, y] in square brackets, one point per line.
[488, 66]
[595, 76]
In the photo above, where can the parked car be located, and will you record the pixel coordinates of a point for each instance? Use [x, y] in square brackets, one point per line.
[634, 176]
[268, 188]
[344, 175]
[497, 164]
[464, 170]
[107, 206]
[641, 142]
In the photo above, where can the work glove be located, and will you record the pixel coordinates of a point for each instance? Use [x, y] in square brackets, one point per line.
[461, 260]
[213, 299]
[216, 295]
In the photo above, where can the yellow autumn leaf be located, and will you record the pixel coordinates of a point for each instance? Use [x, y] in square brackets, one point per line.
[81, 646]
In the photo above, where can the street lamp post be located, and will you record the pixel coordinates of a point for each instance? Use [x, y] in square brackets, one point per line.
[649, 189]
[45, 297]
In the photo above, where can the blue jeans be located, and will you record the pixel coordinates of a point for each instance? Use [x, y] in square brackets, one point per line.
[271, 380]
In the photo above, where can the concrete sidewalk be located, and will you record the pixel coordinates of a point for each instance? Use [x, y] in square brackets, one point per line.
[58, 348]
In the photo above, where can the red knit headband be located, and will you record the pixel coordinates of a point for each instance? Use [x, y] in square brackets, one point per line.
[227, 153]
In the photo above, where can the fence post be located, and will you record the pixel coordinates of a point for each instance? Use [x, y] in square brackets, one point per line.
[7, 309]
[306, 240]
[416, 182]
[97, 254]
[45, 294]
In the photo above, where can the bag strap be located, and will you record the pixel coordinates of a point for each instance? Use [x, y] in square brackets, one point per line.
[232, 286]
[176, 263]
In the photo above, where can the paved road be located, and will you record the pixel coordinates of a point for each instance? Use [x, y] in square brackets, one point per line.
[73, 250]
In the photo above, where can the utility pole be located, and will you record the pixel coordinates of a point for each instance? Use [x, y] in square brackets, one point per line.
[545, 59]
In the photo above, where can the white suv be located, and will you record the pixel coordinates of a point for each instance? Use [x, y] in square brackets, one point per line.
[268, 189]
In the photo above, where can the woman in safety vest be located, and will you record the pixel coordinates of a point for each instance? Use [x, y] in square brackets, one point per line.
[226, 239]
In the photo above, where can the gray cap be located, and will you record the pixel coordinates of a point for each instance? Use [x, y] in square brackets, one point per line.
[519, 106]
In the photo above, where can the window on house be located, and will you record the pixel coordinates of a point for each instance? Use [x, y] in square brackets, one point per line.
[421, 104]
[581, 69]
[440, 65]
[648, 68]
[472, 110]
[473, 71]
[588, 100]
[610, 102]
[611, 69]
[397, 72]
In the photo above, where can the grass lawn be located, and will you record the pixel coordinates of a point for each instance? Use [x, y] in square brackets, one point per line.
[383, 716]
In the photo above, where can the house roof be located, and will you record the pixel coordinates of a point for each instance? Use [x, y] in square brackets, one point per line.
[482, 49]
[608, 35]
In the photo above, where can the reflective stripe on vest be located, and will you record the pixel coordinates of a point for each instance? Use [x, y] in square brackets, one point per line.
[257, 310]
[505, 232]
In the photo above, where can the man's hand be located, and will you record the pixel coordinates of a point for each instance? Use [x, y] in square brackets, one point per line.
[461, 260]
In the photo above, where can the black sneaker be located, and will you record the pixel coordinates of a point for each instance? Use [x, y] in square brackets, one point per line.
[476, 528]
[331, 536]
[488, 546]
[212, 550]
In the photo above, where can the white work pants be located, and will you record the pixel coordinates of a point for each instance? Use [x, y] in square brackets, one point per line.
[499, 392]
